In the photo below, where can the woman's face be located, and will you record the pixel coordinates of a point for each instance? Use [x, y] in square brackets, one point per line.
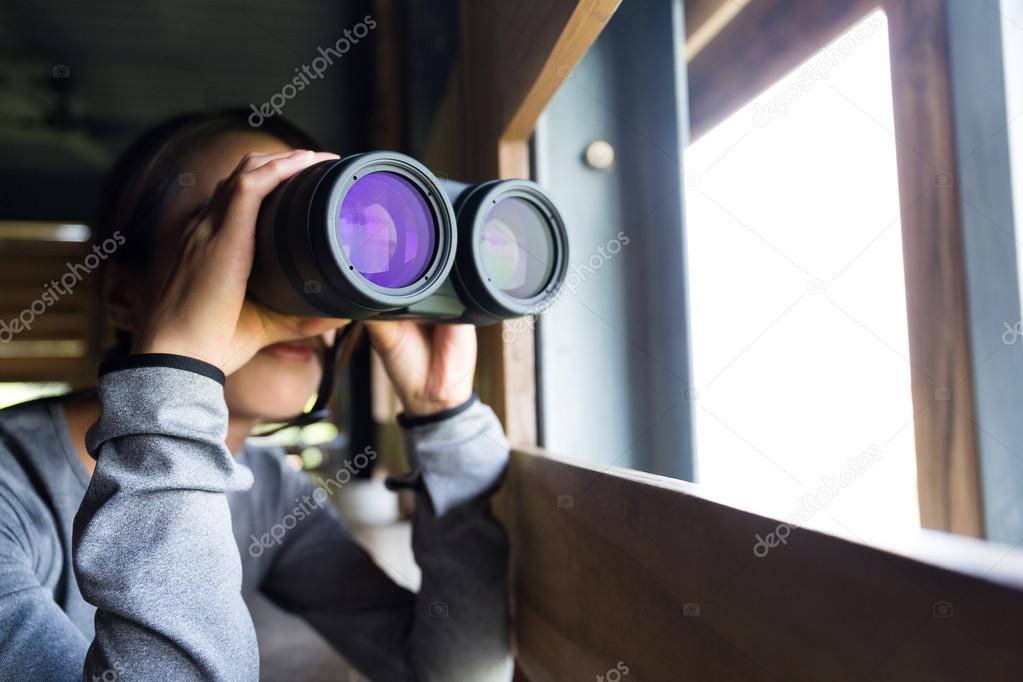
[279, 380]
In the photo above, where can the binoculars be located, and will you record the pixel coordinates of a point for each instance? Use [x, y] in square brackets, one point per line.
[377, 235]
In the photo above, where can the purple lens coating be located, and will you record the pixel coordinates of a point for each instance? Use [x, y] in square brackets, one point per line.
[516, 248]
[387, 230]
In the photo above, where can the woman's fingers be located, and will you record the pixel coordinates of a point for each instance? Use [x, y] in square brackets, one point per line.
[232, 244]
[218, 202]
[387, 336]
[204, 312]
[384, 335]
[250, 187]
[431, 366]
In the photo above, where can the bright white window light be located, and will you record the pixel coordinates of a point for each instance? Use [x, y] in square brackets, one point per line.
[800, 343]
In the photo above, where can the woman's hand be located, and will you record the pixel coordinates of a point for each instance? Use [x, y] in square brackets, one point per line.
[201, 310]
[431, 366]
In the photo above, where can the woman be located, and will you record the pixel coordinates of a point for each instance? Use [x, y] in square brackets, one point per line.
[126, 515]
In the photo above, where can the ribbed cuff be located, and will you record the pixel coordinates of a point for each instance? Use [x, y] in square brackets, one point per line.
[455, 460]
[164, 360]
[409, 421]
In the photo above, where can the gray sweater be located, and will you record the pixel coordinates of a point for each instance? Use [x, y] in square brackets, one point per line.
[140, 572]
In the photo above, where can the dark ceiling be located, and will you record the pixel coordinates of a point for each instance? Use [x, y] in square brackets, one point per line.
[78, 80]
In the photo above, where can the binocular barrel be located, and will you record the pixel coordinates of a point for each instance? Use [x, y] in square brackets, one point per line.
[376, 235]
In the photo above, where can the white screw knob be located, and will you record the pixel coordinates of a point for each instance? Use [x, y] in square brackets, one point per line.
[600, 155]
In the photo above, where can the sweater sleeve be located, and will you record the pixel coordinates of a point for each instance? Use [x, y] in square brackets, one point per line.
[39, 641]
[153, 548]
[455, 628]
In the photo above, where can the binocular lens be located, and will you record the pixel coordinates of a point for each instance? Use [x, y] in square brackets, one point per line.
[377, 235]
[517, 248]
[387, 230]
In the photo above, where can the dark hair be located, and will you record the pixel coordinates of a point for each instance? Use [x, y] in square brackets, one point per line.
[149, 173]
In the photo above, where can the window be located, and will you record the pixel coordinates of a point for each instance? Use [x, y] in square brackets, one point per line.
[798, 309]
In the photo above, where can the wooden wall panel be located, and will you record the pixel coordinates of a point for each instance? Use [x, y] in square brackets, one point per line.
[63, 343]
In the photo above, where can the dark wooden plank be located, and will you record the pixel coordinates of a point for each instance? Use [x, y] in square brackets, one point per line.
[26, 270]
[79, 372]
[946, 442]
[765, 41]
[616, 566]
[52, 250]
[55, 324]
[705, 19]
